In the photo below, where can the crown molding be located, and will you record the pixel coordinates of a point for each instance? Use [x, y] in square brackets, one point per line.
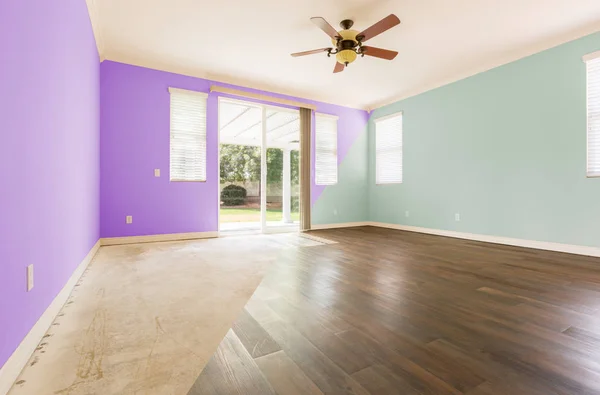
[178, 68]
[483, 67]
[96, 27]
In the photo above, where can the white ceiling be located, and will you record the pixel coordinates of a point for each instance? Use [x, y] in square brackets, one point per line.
[249, 42]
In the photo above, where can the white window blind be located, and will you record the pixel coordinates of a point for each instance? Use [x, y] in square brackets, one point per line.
[325, 149]
[593, 114]
[188, 135]
[388, 149]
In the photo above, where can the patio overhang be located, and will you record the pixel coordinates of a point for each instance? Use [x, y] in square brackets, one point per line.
[240, 123]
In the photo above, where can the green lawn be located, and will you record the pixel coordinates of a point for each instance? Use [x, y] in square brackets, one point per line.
[253, 215]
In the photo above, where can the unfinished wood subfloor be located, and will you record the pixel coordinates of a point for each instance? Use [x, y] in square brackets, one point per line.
[146, 318]
[391, 312]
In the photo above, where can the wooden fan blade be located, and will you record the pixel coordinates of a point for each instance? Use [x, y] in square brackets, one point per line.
[380, 52]
[325, 26]
[310, 52]
[385, 24]
[338, 67]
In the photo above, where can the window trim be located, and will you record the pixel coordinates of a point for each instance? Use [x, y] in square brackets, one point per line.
[188, 92]
[324, 115]
[381, 119]
[205, 96]
[591, 56]
[337, 137]
[588, 58]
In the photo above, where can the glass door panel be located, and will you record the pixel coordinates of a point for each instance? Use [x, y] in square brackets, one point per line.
[282, 169]
[240, 140]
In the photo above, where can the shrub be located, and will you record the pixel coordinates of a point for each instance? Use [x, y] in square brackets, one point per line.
[233, 195]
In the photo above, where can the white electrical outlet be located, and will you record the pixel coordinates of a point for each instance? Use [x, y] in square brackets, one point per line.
[29, 277]
[335, 211]
[457, 217]
[129, 219]
[407, 213]
[156, 172]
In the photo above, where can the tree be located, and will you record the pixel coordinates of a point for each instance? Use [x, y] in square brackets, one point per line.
[274, 165]
[242, 163]
[295, 169]
[239, 163]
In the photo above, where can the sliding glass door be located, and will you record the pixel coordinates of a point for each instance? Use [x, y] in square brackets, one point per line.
[258, 167]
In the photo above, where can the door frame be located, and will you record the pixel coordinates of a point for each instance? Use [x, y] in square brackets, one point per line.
[264, 229]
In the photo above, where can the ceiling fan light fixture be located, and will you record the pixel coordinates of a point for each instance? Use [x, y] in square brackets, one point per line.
[348, 43]
[346, 56]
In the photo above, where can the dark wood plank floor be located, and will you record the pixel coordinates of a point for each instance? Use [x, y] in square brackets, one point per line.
[391, 312]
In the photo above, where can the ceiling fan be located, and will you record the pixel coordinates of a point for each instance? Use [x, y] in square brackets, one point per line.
[349, 43]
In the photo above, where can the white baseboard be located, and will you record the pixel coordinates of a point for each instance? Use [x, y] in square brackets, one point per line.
[17, 361]
[109, 241]
[540, 245]
[340, 225]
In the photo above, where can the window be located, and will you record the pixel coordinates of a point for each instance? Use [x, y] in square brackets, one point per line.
[388, 149]
[326, 149]
[188, 135]
[592, 62]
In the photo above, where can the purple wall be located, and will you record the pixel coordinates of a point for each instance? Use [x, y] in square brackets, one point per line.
[49, 155]
[135, 141]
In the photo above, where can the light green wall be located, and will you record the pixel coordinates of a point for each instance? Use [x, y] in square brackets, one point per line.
[347, 200]
[505, 148]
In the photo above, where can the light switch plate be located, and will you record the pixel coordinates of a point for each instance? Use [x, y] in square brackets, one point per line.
[29, 277]
[156, 172]
[129, 219]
